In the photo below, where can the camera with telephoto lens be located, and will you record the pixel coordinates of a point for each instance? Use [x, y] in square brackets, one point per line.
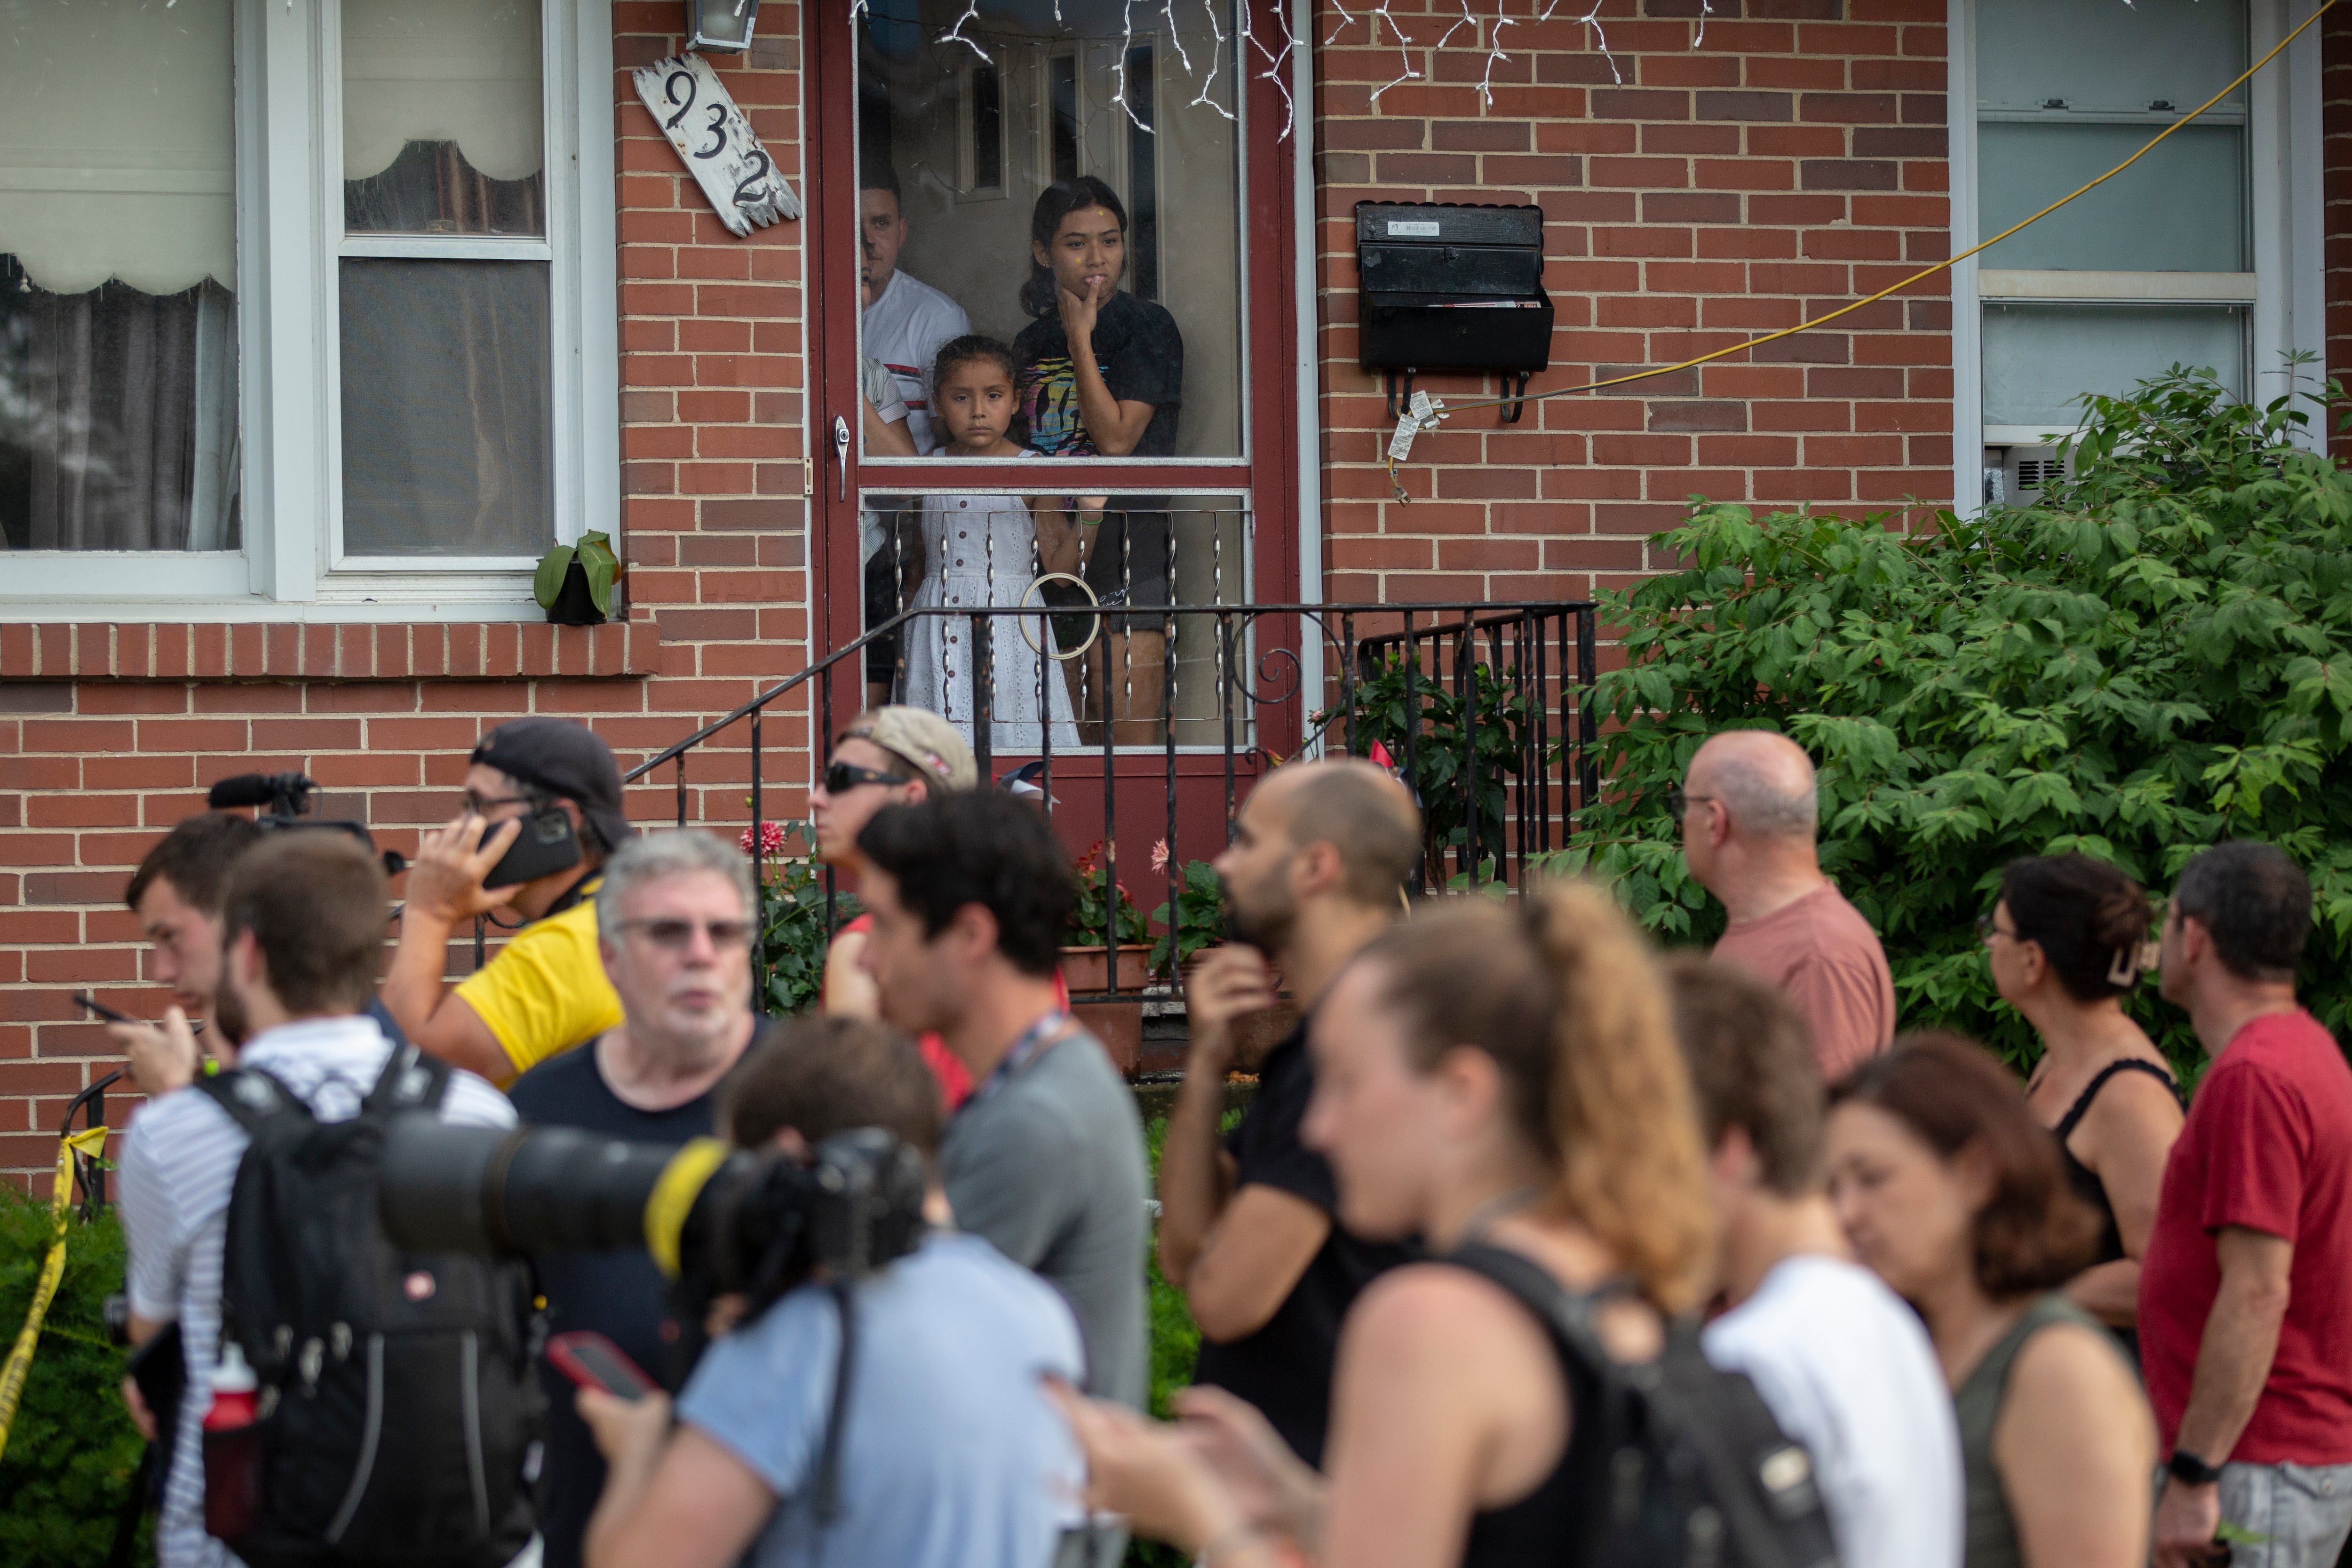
[719, 1221]
[282, 798]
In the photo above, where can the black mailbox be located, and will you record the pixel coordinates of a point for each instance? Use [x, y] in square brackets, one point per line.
[1446, 287]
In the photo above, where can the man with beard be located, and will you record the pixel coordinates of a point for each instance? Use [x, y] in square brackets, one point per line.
[1316, 869]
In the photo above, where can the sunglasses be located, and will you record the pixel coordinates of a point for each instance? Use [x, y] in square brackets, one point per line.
[840, 778]
[1678, 801]
[673, 935]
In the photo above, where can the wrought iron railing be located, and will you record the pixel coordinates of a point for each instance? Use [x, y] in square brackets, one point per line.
[1482, 708]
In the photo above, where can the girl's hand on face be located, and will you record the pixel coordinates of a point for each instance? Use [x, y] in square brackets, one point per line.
[1079, 308]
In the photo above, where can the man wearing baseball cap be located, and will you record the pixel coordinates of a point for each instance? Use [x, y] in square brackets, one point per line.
[549, 791]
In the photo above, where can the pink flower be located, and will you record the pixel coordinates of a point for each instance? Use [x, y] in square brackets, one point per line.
[1159, 856]
[771, 840]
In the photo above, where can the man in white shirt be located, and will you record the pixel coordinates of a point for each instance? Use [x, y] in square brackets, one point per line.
[1844, 1365]
[302, 930]
[908, 321]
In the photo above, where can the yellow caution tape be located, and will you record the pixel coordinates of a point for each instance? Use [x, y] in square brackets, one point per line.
[53, 1268]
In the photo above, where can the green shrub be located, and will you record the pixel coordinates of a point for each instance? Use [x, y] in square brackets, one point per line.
[793, 929]
[71, 1449]
[1436, 714]
[2155, 657]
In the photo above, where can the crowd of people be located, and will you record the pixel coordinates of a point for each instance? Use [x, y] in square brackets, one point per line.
[1499, 1157]
[1098, 373]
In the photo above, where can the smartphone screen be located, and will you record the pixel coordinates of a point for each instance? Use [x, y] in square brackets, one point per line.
[592, 1361]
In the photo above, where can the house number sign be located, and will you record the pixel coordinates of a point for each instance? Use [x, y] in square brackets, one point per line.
[719, 147]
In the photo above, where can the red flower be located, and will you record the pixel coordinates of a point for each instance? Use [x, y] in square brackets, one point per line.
[771, 840]
[1159, 856]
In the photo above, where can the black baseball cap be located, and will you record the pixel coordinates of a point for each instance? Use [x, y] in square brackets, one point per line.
[563, 759]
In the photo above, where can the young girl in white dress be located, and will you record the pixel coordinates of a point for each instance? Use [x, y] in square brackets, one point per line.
[981, 550]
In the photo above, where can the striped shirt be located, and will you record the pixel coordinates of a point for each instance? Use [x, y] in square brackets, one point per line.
[179, 1166]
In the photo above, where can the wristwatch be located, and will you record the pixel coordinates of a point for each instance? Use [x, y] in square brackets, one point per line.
[2191, 1470]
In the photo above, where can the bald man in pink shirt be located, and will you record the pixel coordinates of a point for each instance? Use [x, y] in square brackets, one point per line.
[1748, 812]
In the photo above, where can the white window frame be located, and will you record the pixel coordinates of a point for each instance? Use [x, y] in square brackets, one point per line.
[290, 241]
[2287, 291]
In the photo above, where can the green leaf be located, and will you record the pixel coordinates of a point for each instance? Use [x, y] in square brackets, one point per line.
[2156, 657]
[547, 581]
[597, 558]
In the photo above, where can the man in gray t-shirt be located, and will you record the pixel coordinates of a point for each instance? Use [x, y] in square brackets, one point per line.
[971, 896]
[1049, 1167]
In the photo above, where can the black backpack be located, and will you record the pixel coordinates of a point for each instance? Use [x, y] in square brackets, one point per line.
[398, 1411]
[1699, 1473]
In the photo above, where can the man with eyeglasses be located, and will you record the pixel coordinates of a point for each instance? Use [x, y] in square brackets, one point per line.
[673, 922]
[545, 990]
[1749, 809]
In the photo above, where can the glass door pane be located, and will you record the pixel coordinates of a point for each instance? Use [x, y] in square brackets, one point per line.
[1119, 135]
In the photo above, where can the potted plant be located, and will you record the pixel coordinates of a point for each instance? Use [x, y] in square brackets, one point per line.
[1085, 961]
[574, 582]
[1199, 923]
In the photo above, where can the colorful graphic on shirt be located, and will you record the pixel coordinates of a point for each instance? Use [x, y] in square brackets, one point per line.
[1049, 402]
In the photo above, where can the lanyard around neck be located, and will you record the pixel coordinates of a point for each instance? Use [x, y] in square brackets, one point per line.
[1038, 1035]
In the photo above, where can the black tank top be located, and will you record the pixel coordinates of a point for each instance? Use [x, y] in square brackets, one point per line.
[2085, 1180]
[1552, 1526]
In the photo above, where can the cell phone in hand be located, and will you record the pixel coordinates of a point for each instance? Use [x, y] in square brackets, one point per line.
[112, 1014]
[116, 1016]
[546, 844]
[592, 1361]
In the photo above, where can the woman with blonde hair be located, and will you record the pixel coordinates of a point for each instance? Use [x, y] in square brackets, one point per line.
[1483, 1078]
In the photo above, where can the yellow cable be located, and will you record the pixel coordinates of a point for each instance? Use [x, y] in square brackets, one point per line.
[1893, 288]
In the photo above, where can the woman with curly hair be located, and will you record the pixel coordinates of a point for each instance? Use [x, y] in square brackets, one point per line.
[1487, 1081]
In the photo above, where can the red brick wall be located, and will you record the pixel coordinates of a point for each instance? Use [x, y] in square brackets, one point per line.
[108, 735]
[2336, 129]
[1792, 163]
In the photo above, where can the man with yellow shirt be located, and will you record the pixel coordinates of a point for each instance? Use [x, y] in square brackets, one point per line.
[545, 991]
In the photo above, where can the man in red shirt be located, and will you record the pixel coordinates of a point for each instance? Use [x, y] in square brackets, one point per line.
[2245, 1335]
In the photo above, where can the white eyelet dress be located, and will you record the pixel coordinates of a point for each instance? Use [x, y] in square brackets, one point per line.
[982, 549]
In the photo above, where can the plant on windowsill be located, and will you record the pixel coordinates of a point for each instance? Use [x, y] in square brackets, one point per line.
[574, 582]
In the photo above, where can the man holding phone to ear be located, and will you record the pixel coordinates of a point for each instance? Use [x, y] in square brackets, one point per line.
[543, 810]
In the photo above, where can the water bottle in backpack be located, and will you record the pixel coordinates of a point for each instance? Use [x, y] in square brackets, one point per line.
[393, 1416]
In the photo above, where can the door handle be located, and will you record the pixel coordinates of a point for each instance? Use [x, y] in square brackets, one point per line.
[841, 451]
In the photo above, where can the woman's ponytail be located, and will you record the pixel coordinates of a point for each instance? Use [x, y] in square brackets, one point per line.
[1632, 1167]
[1571, 1003]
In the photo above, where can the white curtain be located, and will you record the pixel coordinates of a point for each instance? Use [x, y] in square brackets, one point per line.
[116, 156]
[466, 71]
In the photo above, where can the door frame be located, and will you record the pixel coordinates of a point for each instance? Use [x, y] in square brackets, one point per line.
[1268, 477]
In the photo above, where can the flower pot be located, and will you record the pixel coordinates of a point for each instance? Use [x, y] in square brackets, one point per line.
[575, 606]
[1085, 971]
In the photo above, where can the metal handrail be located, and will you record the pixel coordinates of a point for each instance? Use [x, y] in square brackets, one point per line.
[1519, 639]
